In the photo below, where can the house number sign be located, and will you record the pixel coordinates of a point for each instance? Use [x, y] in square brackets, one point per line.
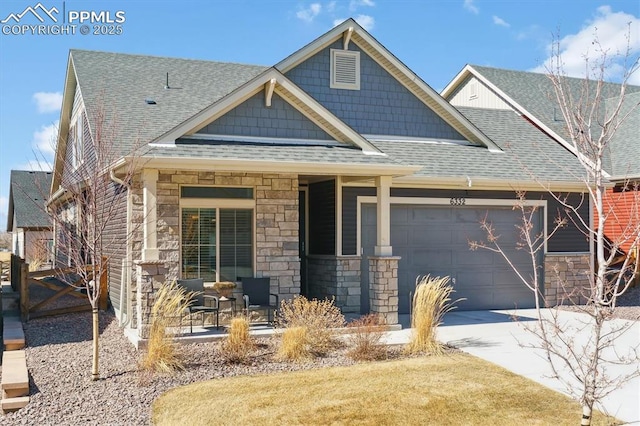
[458, 201]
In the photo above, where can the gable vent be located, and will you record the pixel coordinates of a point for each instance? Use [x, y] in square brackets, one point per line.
[345, 69]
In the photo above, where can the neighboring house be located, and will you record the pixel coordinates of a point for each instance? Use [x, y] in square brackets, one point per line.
[532, 96]
[337, 172]
[27, 220]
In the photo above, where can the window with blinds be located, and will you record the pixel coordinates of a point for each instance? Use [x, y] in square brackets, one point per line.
[217, 243]
[345, 69]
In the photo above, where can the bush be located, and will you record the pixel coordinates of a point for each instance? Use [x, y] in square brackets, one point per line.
[320, 318]
[431, 301]
[163, 354]
[238, 345]
[294, 345]
[365, 335]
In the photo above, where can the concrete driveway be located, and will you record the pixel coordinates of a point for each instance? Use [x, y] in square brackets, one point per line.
[497, 338]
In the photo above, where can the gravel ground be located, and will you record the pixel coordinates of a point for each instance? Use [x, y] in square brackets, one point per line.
[628, 305]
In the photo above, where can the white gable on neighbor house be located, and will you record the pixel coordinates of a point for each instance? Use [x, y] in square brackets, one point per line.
[473, 92]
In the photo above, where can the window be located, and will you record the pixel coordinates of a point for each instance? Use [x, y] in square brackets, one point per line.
[217, 243]
[76, 138]
[345, 69]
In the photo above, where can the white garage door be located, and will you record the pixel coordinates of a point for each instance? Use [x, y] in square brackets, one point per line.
[435, 240]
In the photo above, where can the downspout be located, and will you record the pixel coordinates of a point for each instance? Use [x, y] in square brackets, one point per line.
[125, 276]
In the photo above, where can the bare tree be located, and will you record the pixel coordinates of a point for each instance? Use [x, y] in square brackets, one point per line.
[587, 349]
[5, 240]
[92, 197]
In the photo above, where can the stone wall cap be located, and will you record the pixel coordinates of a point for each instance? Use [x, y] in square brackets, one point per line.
[384, 257]
[149, 262]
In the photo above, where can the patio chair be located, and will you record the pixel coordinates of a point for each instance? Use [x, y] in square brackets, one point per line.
[256, 297]
[198, 303]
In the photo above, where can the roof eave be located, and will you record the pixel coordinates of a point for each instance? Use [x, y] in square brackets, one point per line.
[268, 166]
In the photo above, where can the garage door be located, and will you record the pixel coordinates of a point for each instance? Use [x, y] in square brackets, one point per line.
[435, 240]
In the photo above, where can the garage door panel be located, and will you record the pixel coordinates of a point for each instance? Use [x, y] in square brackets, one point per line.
[425, 257]
[424, 214]
[469, 280]
[472, 258]
[421, 236]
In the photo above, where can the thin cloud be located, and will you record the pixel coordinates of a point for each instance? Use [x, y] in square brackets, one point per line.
[47, 102]
[310, 13]
[470, 7]
[331, 6]
[500, 22]
[367, 22]
[354, 4]
[44, 140]
[612, 31]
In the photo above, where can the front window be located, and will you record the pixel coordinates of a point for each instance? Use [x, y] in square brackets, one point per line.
[217, 243]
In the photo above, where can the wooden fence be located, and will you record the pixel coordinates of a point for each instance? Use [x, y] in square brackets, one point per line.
[22, 279]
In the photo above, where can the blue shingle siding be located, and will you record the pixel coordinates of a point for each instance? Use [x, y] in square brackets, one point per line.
[253, 118]
[382, 106]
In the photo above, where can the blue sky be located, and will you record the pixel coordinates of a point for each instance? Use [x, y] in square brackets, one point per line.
[433, 38]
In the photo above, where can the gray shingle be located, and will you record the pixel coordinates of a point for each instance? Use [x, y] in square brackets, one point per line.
[625, 145]
[28, 193]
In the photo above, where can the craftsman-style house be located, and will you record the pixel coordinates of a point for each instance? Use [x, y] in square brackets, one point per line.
[337, 173]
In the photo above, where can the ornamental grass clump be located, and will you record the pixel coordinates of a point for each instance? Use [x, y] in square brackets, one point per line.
[432, 299]
[320, 318]
[163, 353]
[294, 344]
[365, 338]
[239, 344]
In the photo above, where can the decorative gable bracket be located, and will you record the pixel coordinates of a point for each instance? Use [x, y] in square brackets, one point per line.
[269, 87]
[346, 38]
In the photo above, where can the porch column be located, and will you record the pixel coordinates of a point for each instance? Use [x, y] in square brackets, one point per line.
[383, 237]
[150, 238]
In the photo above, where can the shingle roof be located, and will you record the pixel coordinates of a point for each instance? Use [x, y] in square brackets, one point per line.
[625, 145]
[120, 83]
[27, 195]
[528, 153]
[534, 92]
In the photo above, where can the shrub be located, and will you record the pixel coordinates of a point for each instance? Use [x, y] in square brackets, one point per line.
[365, 335]
[238, 345]
[320, 318]
[431, 301]
[163, 354]
[294, 344]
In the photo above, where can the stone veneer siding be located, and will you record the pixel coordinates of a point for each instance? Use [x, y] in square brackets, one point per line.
[276, 225]
[383, 288]
[335, 277]
[150, 275]
[566, 278]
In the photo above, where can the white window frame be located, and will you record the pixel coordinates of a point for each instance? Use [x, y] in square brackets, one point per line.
[221, 203]
[77, 145]
[332, 79]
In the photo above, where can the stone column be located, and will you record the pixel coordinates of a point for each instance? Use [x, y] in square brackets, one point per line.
[150, 276]
[383, 288]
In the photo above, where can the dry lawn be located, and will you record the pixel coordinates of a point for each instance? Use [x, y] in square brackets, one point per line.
[453, 389]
